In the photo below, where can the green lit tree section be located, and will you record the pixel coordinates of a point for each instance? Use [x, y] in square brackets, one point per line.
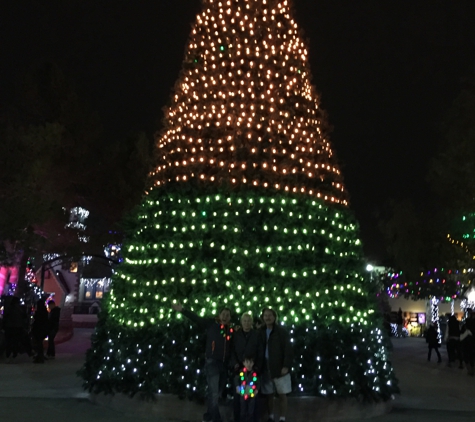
[246, 251]
[246, 208]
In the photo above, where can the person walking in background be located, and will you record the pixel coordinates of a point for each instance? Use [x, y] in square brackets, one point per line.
[39, 330]
[433, 342]
[13, 325]
[452, 340]
[219, 336]
[278, 361]
[246, 343]
[399, 322]
[53, 328]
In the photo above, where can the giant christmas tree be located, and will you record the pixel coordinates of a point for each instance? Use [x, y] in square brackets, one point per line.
[246, 208]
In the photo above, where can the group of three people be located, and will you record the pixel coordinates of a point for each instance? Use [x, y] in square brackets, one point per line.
[19, 336]
[261, 359]
[461, 342]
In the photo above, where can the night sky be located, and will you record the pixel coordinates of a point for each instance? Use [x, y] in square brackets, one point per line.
[387, 73]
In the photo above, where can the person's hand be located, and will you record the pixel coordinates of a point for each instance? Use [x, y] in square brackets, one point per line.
[284, 371]
[177, 307]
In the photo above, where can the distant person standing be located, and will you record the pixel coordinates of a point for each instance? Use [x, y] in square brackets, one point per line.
[39, 330]
[399, 322]
[452, 340]
[433, 342]
[13, 326]
[53, 328]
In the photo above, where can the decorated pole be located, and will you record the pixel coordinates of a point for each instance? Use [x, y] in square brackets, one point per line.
[435, 320]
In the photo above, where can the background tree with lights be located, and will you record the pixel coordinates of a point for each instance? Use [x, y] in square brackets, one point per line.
[246, 208]
[55, 156]
[426, 263]
[434, 251]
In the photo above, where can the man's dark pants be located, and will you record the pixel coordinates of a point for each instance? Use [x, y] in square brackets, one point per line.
[216, 375]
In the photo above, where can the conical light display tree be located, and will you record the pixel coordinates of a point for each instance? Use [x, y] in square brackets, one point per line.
[246, 209]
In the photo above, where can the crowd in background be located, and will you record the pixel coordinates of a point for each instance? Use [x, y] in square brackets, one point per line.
[24, 331]
[460, 341]
[458, 336]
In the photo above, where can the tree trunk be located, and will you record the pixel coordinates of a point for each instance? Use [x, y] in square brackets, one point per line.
[21, 263]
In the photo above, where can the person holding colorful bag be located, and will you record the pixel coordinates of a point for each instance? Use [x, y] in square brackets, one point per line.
[278, 362]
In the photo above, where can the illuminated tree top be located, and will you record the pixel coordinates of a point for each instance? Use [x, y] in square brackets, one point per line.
[244, 112]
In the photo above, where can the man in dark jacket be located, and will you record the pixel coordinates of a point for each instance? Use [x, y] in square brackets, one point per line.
[278, 361]
[246, 343]
[219, 336]
[53, 327]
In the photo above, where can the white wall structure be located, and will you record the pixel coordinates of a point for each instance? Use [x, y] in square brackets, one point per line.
[417, 306]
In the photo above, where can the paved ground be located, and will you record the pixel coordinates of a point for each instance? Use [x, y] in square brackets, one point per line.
[429, 391]
[52, 392]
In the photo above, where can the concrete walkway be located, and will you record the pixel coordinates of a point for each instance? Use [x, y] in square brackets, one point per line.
[429, 385]
[52, 391]
[53, 379]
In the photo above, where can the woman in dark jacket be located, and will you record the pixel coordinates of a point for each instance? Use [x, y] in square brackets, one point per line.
[246, 344]
[39, 330]
[278, 355]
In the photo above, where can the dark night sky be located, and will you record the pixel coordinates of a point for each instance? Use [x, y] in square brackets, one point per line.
[387, 73]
